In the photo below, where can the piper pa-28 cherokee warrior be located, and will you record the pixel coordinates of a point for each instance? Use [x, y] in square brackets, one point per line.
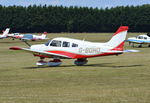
[66, 48]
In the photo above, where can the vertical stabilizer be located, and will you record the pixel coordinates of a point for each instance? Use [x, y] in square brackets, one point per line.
[117, 41]
[44, 35]
[5, 33]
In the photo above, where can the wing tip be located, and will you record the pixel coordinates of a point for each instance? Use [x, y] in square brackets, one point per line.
[15, 48]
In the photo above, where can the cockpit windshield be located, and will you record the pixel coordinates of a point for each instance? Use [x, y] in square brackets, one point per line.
[47, 43]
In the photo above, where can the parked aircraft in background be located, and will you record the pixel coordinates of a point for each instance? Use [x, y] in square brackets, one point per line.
[16, 35]
[5, 34]
[67, 48]
[35, 37]
[28, 36]
[141, 39]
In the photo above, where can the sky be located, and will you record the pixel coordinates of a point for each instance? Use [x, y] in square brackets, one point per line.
[83, 3]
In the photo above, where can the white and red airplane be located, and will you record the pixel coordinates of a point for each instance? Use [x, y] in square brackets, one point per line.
[16, 35]
[5, 34]
[66, 48]
[28, 36]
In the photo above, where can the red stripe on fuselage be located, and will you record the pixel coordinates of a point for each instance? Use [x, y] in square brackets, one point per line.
[75, 56]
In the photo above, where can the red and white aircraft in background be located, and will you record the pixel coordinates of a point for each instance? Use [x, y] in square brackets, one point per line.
[5, 34]
[66, 48]
[16, 36]
[28, 36]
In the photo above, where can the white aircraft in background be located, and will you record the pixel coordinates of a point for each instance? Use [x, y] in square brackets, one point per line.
[141, 39]
[67, 48]
[5, 34]
[28, 36]
[16, 36]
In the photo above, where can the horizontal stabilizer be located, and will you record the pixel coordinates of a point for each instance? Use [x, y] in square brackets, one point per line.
[116, 51]
[112, 51]
[127, 51]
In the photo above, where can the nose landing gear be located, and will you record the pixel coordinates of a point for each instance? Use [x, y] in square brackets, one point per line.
[51, 63]
[41, 62]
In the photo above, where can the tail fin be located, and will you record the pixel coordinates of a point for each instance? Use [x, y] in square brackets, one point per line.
[44, 35]
[117, 41]
[5, 33]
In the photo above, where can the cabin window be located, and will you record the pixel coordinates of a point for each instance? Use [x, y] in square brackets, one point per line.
[140, 37]
[47, 43]
[16, 33]
[145, 37]
[74, 45]
[66, 44]
[56, 43]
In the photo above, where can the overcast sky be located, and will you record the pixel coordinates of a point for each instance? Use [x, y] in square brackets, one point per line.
[87, 3]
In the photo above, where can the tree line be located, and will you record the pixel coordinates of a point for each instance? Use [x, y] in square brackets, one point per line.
[74, 19]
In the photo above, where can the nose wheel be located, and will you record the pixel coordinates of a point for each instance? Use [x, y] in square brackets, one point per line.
[41, 62]
[81, 61]
[54, 63]
[140, 46]
[51, 63]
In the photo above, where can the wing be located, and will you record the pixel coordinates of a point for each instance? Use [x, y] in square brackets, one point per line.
[41, 53]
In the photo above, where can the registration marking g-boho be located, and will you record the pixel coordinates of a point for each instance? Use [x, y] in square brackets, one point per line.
[89, 50]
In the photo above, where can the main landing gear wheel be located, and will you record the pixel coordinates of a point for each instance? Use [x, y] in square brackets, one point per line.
[80, 62]
[41, 62]
[132, 44]
[54, 63]
[140, 46]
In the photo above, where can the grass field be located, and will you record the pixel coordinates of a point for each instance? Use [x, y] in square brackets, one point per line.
[112, 79]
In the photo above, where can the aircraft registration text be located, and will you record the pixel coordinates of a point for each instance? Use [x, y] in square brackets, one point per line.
[89, 50]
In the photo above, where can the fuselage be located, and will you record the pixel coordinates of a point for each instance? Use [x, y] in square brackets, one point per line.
[73, 48]
[141, 39]
[16, 35]
[37, 37]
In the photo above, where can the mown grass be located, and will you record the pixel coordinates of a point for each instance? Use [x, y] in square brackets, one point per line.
[112, 79]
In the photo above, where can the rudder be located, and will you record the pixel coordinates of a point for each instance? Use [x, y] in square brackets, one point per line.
[117, 41]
